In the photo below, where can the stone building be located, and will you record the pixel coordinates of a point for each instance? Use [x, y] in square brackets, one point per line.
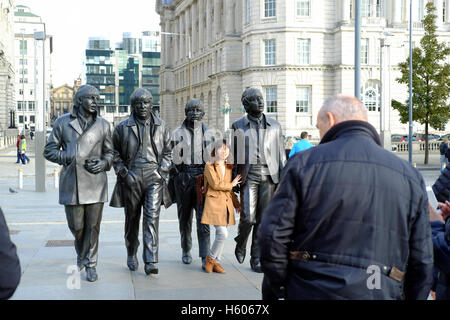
[298, 52]
[29, 70]
[62, 100]
[8, 131]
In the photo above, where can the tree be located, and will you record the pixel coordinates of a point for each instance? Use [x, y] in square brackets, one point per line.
[430, 81]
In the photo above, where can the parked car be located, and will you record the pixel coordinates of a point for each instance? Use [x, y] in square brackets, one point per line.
[444, 136]
[396, 137]
[431, 137]
[406, 139]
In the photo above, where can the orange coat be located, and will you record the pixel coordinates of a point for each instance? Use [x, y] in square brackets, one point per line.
[219, 196]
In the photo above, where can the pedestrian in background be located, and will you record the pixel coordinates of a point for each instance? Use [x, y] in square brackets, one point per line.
[19, 157]
[441, 187]
[288, 146]
[349, 220]
[31, 135]
[443, 148]
[10, 270]
[23, 150]
[301, 145]
[440, 227]
[220, 202]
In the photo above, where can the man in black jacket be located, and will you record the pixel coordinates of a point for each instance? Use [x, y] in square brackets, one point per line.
[9, 262]
[349, 220]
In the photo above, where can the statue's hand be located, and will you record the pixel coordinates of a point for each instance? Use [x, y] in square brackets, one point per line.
[95, 165]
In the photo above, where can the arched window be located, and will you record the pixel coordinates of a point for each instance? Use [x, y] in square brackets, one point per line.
[370, 94]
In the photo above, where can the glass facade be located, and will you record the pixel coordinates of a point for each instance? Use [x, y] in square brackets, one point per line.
[151, 62]
[100, 71]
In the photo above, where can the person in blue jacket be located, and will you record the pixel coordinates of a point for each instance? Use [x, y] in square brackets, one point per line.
[301, 145]
[440, 228]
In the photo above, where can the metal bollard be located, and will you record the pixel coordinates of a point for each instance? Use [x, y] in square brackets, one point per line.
[55, 174]
[20, 179]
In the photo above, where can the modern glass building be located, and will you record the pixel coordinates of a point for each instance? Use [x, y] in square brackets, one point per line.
[133, 63]
[100, 71]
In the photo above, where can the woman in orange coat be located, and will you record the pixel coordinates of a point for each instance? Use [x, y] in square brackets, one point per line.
[219, 203]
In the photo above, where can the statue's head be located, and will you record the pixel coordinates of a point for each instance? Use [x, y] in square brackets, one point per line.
[253, 101]
[141, 103]
[86, 99]
[194, 110]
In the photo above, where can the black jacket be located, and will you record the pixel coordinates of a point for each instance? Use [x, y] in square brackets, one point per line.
[441, 187]
[9, 262]
[126, 143]
[351, 205]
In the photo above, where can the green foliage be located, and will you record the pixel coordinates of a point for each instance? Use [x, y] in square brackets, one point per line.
[430, 79]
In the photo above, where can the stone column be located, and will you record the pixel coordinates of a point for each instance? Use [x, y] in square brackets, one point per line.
[447, 11]
[229, 17]
[373, 8]
[208, 26]
[186, 31]
[194, 27]
[163, 42]
[345, 11]
[397, 12]
[168, 52]
[216, 19]
[177, 40]
[201, 26]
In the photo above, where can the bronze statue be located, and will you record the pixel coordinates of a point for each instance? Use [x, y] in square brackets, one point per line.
[81, 142]
[188, 146]
[259, 158]
[142, 161]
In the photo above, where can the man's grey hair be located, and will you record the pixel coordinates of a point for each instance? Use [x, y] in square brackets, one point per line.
[344, 108]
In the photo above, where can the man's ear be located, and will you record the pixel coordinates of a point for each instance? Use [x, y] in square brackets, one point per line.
[331, 119]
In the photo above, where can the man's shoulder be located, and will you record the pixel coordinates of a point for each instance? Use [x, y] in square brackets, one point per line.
[241, 121]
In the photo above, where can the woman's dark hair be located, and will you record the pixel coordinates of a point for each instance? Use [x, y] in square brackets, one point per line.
[217, 145]
[22, 137]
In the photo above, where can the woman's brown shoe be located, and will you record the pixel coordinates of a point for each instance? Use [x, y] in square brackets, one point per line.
[218, 268]
[209, 264]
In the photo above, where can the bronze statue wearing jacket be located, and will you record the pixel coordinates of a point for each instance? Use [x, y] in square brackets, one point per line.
[142, 161]
[259, 158]
[81, 142]
[188, 146]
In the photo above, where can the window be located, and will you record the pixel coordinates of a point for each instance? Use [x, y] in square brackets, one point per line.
[20, 119]
[20, 92]
[32, 119]
[123, 109]
[302, 100]
[110, 109]
[23, 80]
[247, 11]
[303, 51]
[31, 106]
[58, 106]
[418, 10]
[270, 52]
[23, 62]
[370, 94]
[379, 9]
[271, 99]
[270, 8]
[23, 71]
[303, 8]
[31, 92]
[19, 105]
[66, 106]
[247, 54]
[365, 8]
[23, 47]
[364, 51]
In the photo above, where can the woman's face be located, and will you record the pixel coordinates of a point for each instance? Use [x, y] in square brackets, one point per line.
[222, 153]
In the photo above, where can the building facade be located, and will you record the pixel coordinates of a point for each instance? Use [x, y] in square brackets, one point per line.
[8, 122]
[118, 71]
[29, 68]
[62, 100]
[297, 52]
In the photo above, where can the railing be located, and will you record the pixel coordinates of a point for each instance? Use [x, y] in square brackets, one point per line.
[418, 147]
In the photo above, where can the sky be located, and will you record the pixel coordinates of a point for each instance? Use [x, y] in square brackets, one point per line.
[71, 23]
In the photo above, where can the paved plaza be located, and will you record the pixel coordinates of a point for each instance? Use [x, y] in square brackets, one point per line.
[38, 227]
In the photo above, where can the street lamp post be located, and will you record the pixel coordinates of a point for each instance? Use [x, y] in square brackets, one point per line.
[358, 49]
[40, 124]
[385, 99]
[410, 85]
[23, 82]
